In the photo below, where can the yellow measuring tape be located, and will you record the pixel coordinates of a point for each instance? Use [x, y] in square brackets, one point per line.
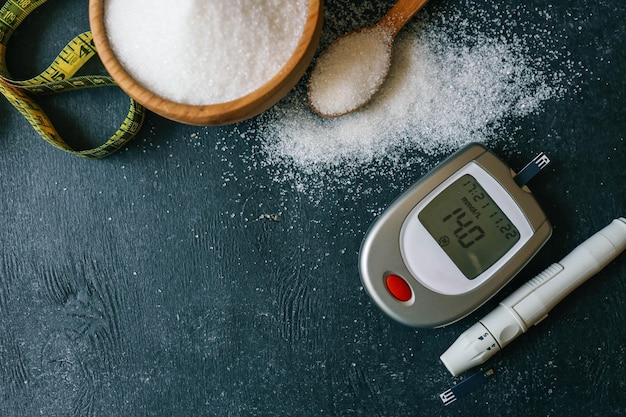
[58, 78]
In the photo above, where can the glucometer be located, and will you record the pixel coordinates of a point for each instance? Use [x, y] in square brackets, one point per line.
[453, 239]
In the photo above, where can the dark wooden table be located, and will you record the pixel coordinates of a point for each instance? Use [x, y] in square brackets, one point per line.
[178, 277]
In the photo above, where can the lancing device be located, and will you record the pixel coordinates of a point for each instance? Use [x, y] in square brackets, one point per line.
[531, 303]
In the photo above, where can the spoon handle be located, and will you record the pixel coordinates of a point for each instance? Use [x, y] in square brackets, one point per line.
[400, 13]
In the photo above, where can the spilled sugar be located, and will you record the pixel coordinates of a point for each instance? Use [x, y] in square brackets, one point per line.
[350, 71]
[200, 52]
[437, 95]
[452, 81]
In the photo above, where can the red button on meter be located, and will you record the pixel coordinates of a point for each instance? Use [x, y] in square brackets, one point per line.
[398, 287]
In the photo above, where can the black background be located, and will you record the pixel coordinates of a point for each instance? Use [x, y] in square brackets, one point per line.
[157, 282]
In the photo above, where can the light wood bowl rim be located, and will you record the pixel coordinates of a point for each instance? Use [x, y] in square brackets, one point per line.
[233, 111]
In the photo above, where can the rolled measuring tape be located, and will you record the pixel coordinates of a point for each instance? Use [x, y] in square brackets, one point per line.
[59, 77]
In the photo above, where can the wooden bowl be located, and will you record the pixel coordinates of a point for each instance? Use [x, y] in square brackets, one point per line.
[233, 111]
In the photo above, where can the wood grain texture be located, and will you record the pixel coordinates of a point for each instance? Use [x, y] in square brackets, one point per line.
[400, 14]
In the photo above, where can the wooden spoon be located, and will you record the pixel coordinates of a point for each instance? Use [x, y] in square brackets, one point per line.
[353, 68]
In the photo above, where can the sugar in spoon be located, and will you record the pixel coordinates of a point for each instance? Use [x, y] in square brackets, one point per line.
[354, 67]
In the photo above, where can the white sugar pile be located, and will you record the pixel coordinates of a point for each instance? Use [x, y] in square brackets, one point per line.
[452, 81]
[204, 52]
[350, 71]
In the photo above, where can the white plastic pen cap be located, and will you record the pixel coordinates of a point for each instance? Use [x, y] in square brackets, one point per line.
[471, 349]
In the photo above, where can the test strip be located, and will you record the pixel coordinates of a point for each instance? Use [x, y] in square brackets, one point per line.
[466, 386]
[531, 169]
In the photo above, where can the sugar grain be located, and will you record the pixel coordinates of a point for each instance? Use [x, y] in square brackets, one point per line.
[454, 79]
[350, 71]
[204, 52]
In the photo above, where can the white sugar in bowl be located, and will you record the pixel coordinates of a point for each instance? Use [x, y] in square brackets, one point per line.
[206, 63]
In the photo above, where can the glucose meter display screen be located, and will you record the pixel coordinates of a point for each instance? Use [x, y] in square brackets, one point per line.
[469, 226]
